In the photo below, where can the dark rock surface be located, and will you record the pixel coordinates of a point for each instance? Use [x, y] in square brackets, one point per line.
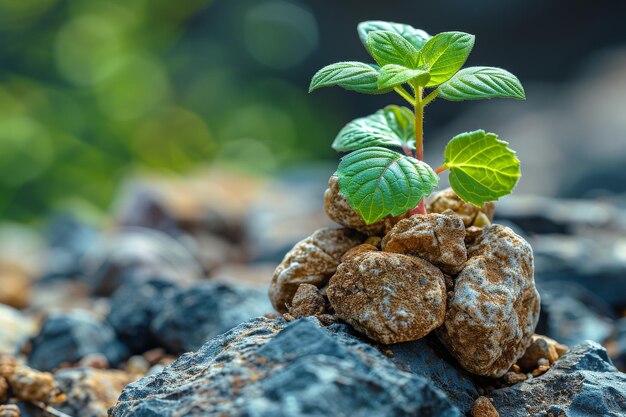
[266, 367]
[191, 316]
[571, 314]
[428, 358]
[583, 382]
[133, 307]
[69, 337]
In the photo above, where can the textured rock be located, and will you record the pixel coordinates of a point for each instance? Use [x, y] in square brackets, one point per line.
[69, 337]
[483, 407]
[15, 329]
[31, 385]
[437, 238]
[469, 213]
[390, 297]
[428, 358]
[339, 210]
[311, 261]
[133, 306]
[494, 309]
[89, 392]
[541, 347]
[308, 301]
[267, 368]
[191, 316]
[583, 382]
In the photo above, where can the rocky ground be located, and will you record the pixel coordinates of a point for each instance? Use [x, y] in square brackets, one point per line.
[165, 312]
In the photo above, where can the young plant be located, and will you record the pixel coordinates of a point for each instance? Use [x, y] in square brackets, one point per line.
[378, 181]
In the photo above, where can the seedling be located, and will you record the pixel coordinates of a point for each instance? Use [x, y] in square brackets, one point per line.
[378, 181]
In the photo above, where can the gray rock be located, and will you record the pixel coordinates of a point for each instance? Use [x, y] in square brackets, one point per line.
[193, 315]
[69, 337]
[428, 358]
[266, 367]
[133, 306]
[583, 382]
[571, 314]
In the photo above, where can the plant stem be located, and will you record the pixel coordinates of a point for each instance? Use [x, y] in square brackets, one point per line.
[419, 141]
[441, 169]
[430, 97]
[405, 94]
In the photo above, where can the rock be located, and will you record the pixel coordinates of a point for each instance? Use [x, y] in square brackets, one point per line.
[429, 359]
[494, 309]
[541, 347]
[89, 392]
[469, 213]
[9, 410]
[266, 367]
[4, 390]
[308, 301]
[133, 307]
[66, 338]
[483, 407]
[583, 382]
[390, 297]
[571, 314]
[15, 329]
[339, 210]
[31, 385]
[436, 238]
[512, 378]
[136, 253]
[191, 316]
[311, 261]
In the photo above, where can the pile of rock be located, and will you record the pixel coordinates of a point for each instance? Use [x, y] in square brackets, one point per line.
[399, 279]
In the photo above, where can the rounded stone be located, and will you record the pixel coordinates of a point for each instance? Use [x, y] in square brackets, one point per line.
[494, 308]
[390, 297]
[308, 301]
[339, 210]
[436, 238]
[311, 261]
[469, 213]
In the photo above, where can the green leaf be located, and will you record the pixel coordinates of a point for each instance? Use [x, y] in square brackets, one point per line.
[475, 83]
[392, 75]
[351, 75]
[379, 182]
[446, 53]
[482, 168]
[393, 126]
[391, 48]
[416, 37]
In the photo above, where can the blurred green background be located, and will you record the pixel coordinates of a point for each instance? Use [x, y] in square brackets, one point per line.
[92, 91]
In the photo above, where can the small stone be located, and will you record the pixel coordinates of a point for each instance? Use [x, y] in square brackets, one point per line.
[9, 410]
[137, 366]
[15, 329]
[339, 210]
[542, 369]
[540, 347]
[390, 297]
[514, 378]
[308, 301]
[311, 261]
[483, 407]
[515, 368]
[495, 307]
[436, 238]
[30, 385]
[365, 247]
[469, 213]
[94, 360]
[543, 362]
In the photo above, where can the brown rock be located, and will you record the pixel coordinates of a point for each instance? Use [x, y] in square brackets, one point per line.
[339, 210]
[483, 407]
[469, 213]
[390, 297]
[9, 410]
[541, 369]
[4, 390]
[495, 307]
[540, 347]
[513, 378]
[365, 247]
[30, 385]
[436, 238]
[311, 261]
[307, 301]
